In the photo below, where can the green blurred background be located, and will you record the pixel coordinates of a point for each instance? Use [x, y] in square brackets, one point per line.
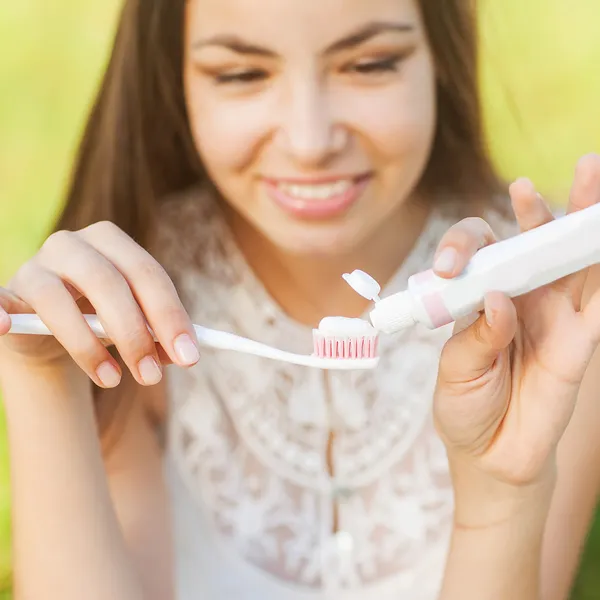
[540, 81]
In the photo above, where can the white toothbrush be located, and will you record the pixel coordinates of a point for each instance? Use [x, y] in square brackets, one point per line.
[31, 324]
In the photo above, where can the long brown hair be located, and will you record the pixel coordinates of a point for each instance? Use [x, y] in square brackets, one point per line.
[137, 147]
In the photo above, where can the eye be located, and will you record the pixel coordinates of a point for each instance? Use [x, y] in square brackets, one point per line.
[247, 76]
[388, 64]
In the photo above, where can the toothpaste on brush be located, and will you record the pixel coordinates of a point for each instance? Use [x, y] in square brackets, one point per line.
[342, 337]
[514, 266]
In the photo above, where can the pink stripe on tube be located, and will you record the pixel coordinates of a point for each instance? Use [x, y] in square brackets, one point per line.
[436, 309]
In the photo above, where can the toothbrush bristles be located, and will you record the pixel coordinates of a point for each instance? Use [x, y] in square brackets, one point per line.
[344, 347]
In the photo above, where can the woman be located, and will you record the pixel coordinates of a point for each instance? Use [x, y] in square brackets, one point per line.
[257, 151]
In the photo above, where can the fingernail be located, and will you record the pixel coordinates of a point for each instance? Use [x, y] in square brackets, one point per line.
[186, 350]
[489, 313]
[149, 370]
[108, 375]
[446, 260]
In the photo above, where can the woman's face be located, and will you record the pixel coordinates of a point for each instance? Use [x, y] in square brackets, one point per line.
[314, 118]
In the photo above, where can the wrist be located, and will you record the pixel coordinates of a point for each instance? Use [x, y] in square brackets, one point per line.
[25, 379]
[499, 552]
[483, 501]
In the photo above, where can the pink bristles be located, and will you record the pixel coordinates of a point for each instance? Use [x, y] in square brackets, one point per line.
[329, 346]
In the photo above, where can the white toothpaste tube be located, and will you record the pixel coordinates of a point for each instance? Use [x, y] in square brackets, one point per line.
[514, 266]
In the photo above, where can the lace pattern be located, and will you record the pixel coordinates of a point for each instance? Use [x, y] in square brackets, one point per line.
[250, 437]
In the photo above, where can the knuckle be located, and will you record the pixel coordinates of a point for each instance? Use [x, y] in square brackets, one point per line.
[479, 335]
[88, 352]
[100, 228]
[471, 233]
[31, 280]
[103, 227]
[174, 314]
[102, 277]
[22, 275]
[56, 241]
[135, 340]
[151, 270]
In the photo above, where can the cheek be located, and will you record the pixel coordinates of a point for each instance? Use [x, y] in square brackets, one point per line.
[227, 132]
[399, 125]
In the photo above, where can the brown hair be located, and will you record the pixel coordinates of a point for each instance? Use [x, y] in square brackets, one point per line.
[137, 146]
[459, 164]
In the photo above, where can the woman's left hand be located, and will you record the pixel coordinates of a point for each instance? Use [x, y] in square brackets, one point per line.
[508, 382]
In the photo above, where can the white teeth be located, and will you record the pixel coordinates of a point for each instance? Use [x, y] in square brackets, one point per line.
[315, 192]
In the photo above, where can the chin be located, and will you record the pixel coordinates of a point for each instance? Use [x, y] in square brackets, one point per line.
[316, 244]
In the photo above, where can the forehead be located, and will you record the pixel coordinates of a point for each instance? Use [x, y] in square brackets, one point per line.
[283, 22]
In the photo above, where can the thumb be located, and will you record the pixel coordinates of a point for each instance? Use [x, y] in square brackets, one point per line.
[472, 351]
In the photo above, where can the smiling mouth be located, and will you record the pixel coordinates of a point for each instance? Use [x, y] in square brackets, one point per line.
[312, 200]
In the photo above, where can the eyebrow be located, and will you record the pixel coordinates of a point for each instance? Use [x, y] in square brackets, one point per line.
[360, 36]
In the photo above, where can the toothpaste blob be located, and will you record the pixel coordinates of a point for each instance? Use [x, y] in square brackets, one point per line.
[343, 337]
[345, 326]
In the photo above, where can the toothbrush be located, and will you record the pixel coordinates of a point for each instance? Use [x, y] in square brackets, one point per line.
[515, 266]
[343, 350]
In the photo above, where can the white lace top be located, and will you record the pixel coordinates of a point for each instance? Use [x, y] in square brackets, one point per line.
[257, 514]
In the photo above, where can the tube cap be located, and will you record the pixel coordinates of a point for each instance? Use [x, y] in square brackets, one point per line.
[363, 284]
[393, 313]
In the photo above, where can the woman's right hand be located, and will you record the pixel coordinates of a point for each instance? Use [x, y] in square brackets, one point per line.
[98, 269]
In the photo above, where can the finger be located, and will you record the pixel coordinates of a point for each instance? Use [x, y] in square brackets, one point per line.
[459, 244]
[102, 284]
[153, 290]
[164, 358]
[4, 322]
[46, 295]
[590, 311]
[10, 303]
[473, 351]
[585, 192]
[530, 209]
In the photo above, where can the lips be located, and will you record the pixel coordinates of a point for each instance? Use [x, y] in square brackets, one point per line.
[316, 200]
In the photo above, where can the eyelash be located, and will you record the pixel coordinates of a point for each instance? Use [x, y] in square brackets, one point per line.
[241, 77]
[389, 64]
[378, 66]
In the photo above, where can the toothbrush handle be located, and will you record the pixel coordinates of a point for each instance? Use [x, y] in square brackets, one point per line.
[31, 324]
[223, 340]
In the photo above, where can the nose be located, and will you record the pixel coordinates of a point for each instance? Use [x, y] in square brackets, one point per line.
[309, 131]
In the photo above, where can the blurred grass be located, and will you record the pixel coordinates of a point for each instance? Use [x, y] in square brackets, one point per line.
[541, 87]
[539, 79]
[51, 57]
